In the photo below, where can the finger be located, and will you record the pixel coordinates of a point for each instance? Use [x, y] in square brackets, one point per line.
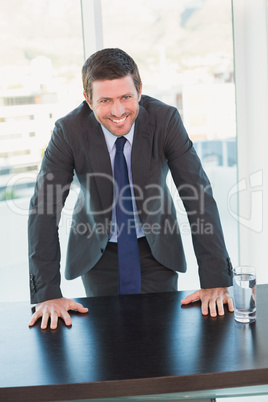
[220, 306]
[191, 298]
[204, 306]
[212, 307]
[230, 304]
[78, 307]
[34, 318]
[44, 320]
[54, 320]
[66, 317]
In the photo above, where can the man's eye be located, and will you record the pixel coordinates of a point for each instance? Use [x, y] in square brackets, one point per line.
[104, 100]
[126, 97]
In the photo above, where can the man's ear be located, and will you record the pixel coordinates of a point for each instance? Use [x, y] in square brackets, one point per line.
[86, 98]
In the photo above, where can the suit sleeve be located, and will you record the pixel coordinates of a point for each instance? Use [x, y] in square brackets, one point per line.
[215, 269]
[51, 189]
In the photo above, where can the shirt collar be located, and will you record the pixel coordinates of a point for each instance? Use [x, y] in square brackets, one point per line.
[110, 138]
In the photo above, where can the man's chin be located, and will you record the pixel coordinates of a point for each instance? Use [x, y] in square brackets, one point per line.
[119, 134]
[119, 131]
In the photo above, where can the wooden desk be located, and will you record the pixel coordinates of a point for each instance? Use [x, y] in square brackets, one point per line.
[133, 345]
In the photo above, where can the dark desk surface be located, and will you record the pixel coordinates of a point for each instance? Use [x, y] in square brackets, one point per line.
[130, 345]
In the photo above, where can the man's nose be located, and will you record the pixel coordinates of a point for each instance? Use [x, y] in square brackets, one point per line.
[117, 109]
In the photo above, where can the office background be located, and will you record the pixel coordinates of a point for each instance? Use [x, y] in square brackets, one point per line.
[206, 57]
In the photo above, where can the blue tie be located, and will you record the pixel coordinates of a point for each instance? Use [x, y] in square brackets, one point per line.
[127, 244]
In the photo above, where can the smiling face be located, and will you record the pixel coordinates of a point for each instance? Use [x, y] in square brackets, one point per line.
[115, 104]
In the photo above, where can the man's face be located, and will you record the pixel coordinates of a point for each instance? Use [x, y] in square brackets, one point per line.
[115, 104]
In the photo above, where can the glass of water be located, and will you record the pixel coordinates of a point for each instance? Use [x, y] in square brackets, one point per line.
[244, 280]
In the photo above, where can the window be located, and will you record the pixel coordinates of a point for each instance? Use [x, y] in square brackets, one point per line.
[184, 50]
[40, 80]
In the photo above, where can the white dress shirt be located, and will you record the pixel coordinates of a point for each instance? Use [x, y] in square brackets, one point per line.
[110, 141]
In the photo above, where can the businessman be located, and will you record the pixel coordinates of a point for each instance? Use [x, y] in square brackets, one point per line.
[124, 237]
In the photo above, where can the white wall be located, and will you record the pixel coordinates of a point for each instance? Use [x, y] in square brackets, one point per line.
[250, 44]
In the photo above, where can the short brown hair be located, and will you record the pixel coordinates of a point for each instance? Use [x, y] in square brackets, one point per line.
[109, 64]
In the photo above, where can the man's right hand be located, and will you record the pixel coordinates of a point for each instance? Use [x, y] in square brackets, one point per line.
[54, 309]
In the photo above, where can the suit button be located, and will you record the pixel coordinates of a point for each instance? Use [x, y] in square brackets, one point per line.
[230, 267]
[102, 250]
[32, 283]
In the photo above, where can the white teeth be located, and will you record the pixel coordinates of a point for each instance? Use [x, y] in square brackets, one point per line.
[119, 121]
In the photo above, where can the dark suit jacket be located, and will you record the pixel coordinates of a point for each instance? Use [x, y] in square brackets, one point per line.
[160, 143]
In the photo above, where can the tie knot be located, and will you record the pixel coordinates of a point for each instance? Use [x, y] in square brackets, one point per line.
[120, 143]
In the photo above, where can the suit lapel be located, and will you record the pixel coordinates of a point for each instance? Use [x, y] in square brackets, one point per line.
[100, 162]
[141, 154]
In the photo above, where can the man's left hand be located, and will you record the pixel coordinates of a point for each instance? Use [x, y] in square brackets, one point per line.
[212, 300]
